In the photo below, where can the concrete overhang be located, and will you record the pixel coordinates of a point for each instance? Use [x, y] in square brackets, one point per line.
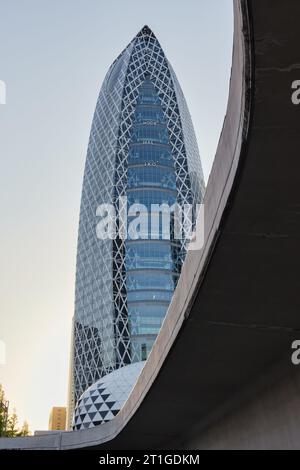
[236, 309]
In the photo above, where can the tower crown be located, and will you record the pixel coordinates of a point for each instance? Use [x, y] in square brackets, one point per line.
[146, 31]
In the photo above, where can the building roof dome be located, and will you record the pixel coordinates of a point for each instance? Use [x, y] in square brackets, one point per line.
[103, 400]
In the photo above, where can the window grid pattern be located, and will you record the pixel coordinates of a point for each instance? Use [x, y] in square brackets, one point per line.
[154, 185]
[101, 326]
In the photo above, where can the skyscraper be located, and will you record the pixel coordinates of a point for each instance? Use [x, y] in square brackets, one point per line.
[57, 418]
[142, 151]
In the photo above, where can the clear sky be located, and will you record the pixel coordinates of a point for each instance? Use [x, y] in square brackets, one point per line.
[54, 56]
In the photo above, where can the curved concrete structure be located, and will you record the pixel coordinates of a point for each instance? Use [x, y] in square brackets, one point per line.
[235, 312]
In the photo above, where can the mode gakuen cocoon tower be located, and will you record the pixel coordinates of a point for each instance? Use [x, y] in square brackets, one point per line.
[142, 150]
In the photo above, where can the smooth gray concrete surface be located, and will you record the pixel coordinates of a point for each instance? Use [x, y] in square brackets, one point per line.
[269, 421]
[236, 310]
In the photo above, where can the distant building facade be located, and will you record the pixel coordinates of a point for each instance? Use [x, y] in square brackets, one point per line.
[58, 419]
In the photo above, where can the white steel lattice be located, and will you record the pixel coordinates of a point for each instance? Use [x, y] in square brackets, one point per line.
[101, 332]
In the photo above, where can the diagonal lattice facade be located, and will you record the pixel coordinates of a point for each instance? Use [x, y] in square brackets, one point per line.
[141, 130]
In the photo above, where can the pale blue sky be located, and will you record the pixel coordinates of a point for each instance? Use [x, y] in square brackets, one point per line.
[54, 56]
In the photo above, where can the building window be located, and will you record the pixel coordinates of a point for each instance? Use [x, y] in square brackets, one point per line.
[144, 352]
